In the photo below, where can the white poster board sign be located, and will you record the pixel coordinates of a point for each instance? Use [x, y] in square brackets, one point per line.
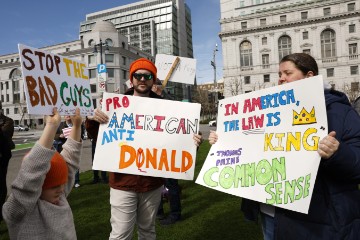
[183, 73]
[53, 80]
[267, 147]
[147, 136]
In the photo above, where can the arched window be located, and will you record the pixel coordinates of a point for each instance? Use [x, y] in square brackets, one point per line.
[284, 46]
[246, 54]
[15, 74]
[328, 47]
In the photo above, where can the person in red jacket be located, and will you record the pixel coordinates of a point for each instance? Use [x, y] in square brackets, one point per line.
[134, 199]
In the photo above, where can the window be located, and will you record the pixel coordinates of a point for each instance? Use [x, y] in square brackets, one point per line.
[307, 51]
[262, 21]
[241, 3]
[265, 60]
[124, 74]
[305, 35]
[110, 72]
[93, 88]
[92, 73]
[16, 110]
[283, 19]
[243, 25]
[284, 45]
[264, 41]
[330, 72]
[355, 86]
[304, 15]
[91, 59]
[91, 43]
[7, 111]
[124, 60]
[328, 48]
[67, 49]
[354, 70]
[266, 78]
[353, 49]
[7, 85]
[247, 79]
[246, 54]
[109, 58]
[109, 42]
[351, 28]
[351, 7]
[326, 11]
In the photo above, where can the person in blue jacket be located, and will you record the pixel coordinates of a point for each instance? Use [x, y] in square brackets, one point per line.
[334, 211]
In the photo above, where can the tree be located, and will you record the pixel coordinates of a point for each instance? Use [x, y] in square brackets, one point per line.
[352, 91]
[207, 105]
[233, 86]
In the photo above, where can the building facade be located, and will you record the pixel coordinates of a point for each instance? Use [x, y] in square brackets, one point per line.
[117, 58]
[256, 34]
[155, 27]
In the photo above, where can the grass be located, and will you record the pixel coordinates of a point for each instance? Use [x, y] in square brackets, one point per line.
[24, 146]
[206, 214]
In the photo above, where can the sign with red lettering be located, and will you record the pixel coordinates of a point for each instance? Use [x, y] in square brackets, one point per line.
[147, 136]
[52, 80]
[267, 144]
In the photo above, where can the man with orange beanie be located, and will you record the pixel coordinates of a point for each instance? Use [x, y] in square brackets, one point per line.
[37, 207]
[134, 199]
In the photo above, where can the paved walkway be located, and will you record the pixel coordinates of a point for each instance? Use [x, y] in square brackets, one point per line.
[15, 161]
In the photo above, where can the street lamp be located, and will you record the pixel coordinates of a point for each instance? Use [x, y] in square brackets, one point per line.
[101, 45]
[213, 63]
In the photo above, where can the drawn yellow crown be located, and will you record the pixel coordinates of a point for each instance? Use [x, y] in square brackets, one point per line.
[304, 117]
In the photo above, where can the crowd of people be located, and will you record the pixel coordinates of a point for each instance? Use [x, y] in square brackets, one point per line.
[37, 207]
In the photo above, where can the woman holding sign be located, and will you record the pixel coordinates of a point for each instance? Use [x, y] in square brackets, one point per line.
[334, 211]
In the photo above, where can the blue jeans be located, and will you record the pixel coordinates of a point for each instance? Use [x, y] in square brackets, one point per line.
[174, 198]
[268, 226]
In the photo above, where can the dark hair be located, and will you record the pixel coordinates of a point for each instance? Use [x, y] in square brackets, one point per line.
[304, 62]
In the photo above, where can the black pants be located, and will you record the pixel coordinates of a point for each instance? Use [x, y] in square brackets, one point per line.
[4, 162]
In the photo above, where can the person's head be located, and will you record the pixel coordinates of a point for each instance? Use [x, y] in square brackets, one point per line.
[67, 118]
[142, 75]
[55, 180]
[297, 66]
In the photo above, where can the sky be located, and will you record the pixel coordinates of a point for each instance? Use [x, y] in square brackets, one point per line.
[41, 23]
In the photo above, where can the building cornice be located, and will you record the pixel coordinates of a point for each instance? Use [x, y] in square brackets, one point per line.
[290, 24]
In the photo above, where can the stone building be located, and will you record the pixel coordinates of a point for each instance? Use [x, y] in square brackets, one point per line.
[256, 34]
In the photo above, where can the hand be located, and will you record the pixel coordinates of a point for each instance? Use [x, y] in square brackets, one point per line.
[55, 119]
[99, 116]
[328, 145]
[213, 137]
[76, 119]
[198, 139]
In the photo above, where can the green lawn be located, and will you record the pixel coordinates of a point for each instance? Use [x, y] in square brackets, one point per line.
[207, 214]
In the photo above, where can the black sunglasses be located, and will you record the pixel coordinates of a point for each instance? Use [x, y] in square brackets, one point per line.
[139, 76]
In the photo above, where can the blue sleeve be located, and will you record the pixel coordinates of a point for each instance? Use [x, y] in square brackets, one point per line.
[345, 163]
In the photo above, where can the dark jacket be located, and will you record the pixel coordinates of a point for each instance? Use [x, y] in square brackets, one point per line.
[334, 211]
[6, 134]
[122, 181]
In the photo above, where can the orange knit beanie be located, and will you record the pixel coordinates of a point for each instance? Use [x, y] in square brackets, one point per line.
[143, 63]
[58, 173]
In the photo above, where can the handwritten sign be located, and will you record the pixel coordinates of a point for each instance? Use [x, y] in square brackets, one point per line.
[52, 80]
[147, 136]
[183, 73]
[267, 147]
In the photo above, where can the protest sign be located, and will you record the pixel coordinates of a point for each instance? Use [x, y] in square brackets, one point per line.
[53, 80]
[147, 136]
[183, 73]
[267, 144]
